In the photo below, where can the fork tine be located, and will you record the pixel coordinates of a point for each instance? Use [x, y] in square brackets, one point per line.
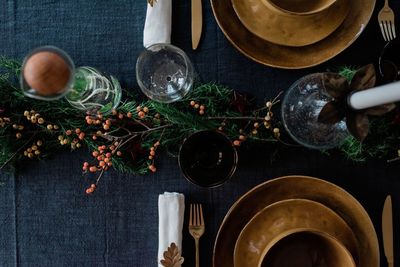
[201, 216]
[197, 215]
[393, 29]
[191, 215]
[382, 30]
[389, 30]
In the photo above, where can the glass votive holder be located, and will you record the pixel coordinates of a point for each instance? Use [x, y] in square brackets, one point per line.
[93, 91]
[164, 73]
[208, 158]
[301, 106]
[47, 73]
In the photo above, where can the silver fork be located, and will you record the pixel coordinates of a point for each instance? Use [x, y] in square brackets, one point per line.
[386, 22]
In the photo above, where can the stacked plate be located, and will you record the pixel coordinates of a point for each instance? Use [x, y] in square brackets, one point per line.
[292, 34]
[296, 221]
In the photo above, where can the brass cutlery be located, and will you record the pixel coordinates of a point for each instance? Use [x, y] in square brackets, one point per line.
[197, 22]
[386, 22]
[387, 231]
[196, 226]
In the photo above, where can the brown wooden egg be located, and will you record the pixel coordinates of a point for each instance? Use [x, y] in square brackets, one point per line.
[47, 73]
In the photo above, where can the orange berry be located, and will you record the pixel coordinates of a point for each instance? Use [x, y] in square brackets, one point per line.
[152, 153]
[129, 114]
[103, 147]
[99, 158]
[236, 143]
[141, 114]
[109, 164]
[202, 107]
[77, 130]
[93, 169]
[106, 127]
[68, 132]
[81, 136]
[94, 137]
[89, 191]
[86, 164]
[201, 112]
[192, 103]
[146, 109]
[100, 116]
[108, 122]
[102, 164]
[84, 168]
[108, 155]
[119, 153]
[112, 147]
[242, 138]
[106, 160]
[89, 121]
[93, 186]
[95, 153]
[196, 106]
[120, 116]
[138, 108]
[152, 148]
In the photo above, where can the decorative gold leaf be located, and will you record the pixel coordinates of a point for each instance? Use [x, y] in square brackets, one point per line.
[335, 84]
[358, 125]
[151, 2]
[172, 257]
[380, 110]
[331, 113]
[364, 78]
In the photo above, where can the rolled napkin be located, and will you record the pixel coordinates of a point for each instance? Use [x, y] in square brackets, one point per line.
[157, 28]
[171, 208]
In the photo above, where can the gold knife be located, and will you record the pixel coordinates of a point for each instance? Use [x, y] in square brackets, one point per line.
[387, 231]
[197, 23]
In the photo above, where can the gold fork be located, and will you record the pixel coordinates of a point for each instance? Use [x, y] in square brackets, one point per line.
[386, 22]
[196, 226]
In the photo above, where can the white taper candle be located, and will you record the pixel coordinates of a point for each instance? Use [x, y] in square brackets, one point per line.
[380, 95]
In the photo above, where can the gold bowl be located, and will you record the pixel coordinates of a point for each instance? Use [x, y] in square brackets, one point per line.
[285, 218]
[271, 22]
[295, 187]
[303, 248]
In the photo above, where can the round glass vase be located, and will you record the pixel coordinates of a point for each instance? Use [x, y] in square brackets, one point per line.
[300, 110]
[94, 91]
[164, 73]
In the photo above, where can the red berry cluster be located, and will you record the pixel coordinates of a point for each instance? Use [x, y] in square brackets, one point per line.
[152, 154]
[141, 112]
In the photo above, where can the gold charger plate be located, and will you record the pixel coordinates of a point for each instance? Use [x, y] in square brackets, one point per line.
[286, 57]
[289, 187]
[283, 218]
[290, 30]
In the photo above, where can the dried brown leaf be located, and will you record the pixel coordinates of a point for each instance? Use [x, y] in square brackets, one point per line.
[358, 125]
[364, 78]
[335, 84]
[151, 2]
[380, 110]
[331, 113]
[172, 257]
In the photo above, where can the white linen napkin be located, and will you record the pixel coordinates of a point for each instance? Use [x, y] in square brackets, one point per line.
[157, 28]
[171, 209]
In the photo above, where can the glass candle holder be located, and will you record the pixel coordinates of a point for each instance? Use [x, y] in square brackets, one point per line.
[164, 73]
[93, 90]
[47, 73]
[300, 110]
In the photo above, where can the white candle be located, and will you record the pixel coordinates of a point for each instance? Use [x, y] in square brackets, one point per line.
[380, 95]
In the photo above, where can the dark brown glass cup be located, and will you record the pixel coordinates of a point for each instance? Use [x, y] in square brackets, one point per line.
[208, 158]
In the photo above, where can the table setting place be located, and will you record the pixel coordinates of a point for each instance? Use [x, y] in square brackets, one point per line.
[49, 105]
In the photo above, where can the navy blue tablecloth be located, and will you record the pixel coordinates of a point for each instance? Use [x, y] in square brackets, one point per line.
[45, 217]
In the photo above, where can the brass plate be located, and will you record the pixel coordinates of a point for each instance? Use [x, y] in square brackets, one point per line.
[283, 218]
[290, 187]
[290, 30]
[286, 57]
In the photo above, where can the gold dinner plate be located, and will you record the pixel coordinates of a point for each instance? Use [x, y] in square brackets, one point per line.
[290, 187]
[288, 29]
[288, 57]
[284, 218]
